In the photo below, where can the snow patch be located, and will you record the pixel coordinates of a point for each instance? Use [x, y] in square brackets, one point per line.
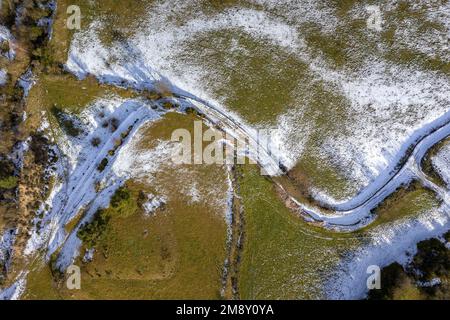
[78, 173]
[153, 202]
[386, 245]
[3, 77]
[441, 163]
[26, 82]
[88, 255]
[6, 246]
[5, 35]
[15, 290]
[403, 99]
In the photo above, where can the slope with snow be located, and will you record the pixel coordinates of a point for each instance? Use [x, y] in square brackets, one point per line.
[380, 104]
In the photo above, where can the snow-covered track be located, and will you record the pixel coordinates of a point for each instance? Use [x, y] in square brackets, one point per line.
[355, 213]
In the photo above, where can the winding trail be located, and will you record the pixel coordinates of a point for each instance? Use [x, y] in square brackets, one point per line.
[356, 212]
[341, 216]
[344, 216]
[138, 73]
[78, 189]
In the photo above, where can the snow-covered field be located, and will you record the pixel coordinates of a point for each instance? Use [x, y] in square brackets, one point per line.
[386, 107]
[393, 242]
[77, 172]
[82, 187]
[384, 103]
[440, 163]
[371, 119]
[386, 245]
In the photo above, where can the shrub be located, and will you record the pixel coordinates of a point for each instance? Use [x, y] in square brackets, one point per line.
[447, 236]
[65, 122]
[39, 147]
[35, 32]
[14, 92]
[98, 186]
[126, 133]
[124, 203]
[6, 168]
[120, 195]
[8, 183]
[102, 165]
[91, 232]
[56, 272]
[114, 124]
[168, 105]
[432, 259]
[96, 141]
[44, 55]
[4, 47]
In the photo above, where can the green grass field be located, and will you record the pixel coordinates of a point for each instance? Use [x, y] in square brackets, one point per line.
[283, 257]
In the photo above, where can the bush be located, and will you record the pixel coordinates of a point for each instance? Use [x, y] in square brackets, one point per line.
[152, 95]
[8, 183]
[39, 147]
[102, 165]
[126, 133]
[114, 124]
[4, 47]
[192, 111]
[35, 32]
[121, 194]
[6, 168]
[91, 232]
[65, 122]
[8, 14]
[33, 12]
[29, 16]
[124, 203]
[432, 259]
[96, 141]
[168, 105]
[447, 236]
[45, 56]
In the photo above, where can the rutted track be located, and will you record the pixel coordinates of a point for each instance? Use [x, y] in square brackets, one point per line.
[78, 190]
[349, 215]
[144, 68]
[352, 214]
[260, 153]
[346, 216]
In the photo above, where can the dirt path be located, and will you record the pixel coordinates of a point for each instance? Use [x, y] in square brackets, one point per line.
[230, 280]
